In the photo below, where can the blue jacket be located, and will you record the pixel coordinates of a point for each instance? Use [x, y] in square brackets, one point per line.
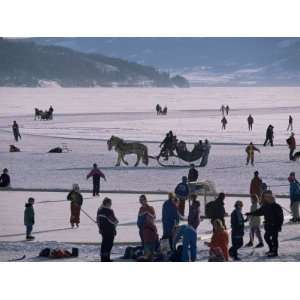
[237, 224]
[170, 217]
[182, 190]
[294, 191]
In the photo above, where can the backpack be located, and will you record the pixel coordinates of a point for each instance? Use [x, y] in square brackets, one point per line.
[209, 209]
[182, 190]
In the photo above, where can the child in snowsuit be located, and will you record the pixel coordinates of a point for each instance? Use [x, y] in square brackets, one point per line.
[294, 197]
[189, 244]
[254, 223]
[107, 223]
[76, 201]
[29, 218]
[237, 230]
[250, 153]
[219, 240]
[96, 174]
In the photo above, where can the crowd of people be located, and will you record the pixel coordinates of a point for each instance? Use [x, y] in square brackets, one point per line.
[178, 241]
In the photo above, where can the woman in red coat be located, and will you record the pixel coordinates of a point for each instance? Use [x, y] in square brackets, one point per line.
[219, 240]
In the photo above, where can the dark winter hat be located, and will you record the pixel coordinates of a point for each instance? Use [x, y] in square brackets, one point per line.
[30, 200]
[292, 174]
[238, 203]
[184, 179]
[5, 170]
[95, 165]
[106, 201]
[256, 173]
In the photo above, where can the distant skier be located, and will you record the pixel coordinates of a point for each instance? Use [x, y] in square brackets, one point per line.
[294, 197]
[237, 230]
[250, 121]
[29, 218]
[16, 132]
[182, 192]
[290, 126]
[269, 136]
[291, 141]
[158, 109]
[256, 186]
[144, 210]
[250, 153]
[96, 174]
[273, 221]
[193, 174]
[254, 224]
[5, 179]
[206, 149]
[222, 109]
[224, 123]
[76, 202]
[107, 223]
[227, 109]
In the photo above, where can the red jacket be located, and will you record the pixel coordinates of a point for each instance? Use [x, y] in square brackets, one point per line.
[220, 239]
[256, 186]
[292, 142]
[150, 234]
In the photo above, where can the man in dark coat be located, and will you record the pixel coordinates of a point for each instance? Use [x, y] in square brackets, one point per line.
[29, 218]
[107, 223]
[96, 174]
[237, 230]
[291, 141]
[274, 218]
[256, 186]
[5, 179]
[224, 123]
[193, 174]
[218, 209]
[170, 217]
[269, 136]
[250, 122]
[16, 132]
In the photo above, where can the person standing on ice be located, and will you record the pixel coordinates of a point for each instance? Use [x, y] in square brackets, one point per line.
[144, 210]
[274, 218]
[250, 153]
[290, 126]
[237, 230]
[193, 174]
[206, 149]
[189, 242]
[250, 121]
[182, 192]
[269, 136]
[222, 109]
[29, 218]
[150, 237]
[215, 209]
[219, 239]
[76, 201]
[256, 186]
[294, 197]
[16, 131]
[227, 109]
[291, 141]
[194, 212]
[224, 123]
[107, 223]
[170, 218]
[5, 179]
[96, 174]
[254, 224]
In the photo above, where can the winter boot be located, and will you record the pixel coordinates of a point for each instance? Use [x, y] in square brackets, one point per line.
[250, 244]
[30, 237]
[259, 245]
[272, 254]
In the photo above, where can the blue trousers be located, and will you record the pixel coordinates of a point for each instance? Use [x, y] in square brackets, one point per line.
[28, 230]
[189, 245]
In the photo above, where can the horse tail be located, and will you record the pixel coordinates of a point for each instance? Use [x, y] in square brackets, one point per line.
[145, 156]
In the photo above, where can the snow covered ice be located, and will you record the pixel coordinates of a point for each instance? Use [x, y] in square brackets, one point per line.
[85, 118]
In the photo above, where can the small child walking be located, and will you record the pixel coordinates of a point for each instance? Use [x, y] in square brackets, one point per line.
[254, 223]
[29, 218]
